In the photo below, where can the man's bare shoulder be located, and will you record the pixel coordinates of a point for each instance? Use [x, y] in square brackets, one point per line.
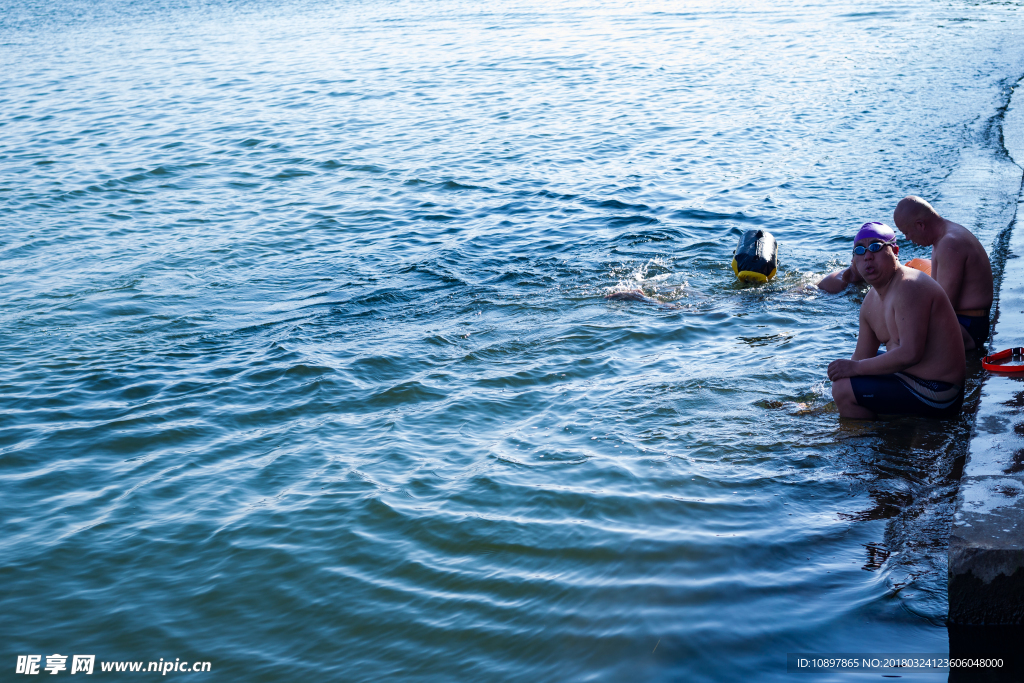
[959, 239]
[918, 287]
[871, 301]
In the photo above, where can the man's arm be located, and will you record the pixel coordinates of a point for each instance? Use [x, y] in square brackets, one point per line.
[837, 281]
[867, 347]
[948, 269]
[867, 340]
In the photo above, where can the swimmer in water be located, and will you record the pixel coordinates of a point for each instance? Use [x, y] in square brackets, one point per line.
[959, 264]
[671, 292]
[922, 371]
[631, 295]
[638, 295]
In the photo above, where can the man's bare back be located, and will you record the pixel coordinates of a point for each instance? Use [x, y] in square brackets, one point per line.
[959, 264]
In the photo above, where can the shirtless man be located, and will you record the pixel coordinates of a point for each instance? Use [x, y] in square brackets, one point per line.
[922, 370]
[959, 264]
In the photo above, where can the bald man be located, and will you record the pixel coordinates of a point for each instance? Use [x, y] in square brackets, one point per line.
[922, 370]
[959, 264]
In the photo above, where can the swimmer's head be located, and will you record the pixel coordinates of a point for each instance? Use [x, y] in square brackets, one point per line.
[879, 231]
[873, 261]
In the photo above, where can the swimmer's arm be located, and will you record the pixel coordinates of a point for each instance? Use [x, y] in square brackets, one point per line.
[837, 281]
[951, 275]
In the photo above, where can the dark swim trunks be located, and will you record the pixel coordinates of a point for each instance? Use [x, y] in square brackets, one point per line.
[976, 326]
[903, 394]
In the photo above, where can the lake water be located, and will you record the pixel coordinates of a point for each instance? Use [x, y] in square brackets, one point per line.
[307, 366]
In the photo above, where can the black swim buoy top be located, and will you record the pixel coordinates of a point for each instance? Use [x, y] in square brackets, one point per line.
[756, 258]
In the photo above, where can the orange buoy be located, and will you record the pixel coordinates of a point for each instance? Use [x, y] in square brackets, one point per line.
[922, 264]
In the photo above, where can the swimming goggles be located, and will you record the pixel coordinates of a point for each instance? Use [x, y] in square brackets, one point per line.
[874, 248]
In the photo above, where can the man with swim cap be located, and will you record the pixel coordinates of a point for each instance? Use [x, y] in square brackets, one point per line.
[922, 370]
[959, 264]
[837, 281]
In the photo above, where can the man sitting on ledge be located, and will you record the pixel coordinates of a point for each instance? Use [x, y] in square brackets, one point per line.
[922, 370]
[959, 264]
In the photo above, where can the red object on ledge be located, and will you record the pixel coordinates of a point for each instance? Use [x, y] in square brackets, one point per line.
[988, 362]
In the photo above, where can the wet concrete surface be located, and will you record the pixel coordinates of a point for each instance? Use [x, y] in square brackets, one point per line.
[986, 547]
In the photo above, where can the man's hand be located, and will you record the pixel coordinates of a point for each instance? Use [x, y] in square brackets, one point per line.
[838, 369]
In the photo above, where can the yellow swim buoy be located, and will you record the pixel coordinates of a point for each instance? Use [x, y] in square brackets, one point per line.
[756, 259]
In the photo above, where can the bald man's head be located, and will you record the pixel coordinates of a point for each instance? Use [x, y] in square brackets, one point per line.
[916, 219]
[912, 209]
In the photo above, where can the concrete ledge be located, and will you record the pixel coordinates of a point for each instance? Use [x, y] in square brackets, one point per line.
[986, 555]
[986, 546]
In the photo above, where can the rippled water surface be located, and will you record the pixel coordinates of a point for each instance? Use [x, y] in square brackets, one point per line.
[307, 366]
